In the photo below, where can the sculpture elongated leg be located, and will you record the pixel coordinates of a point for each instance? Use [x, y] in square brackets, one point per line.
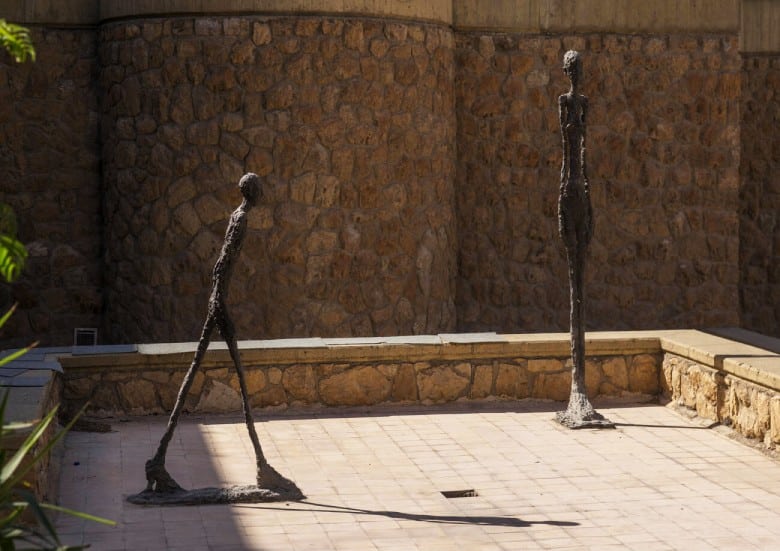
[579, 413]
[157, 477]
[267, 477]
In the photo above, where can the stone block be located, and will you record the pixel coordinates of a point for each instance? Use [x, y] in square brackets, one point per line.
[594, 378]
[441, 383]
[404, 384]
[300, 382]
[616, 372]
[643, 374]
[158, 377]
[138, 397]
[218, 397]
[358, 386]
[78, 388]
[511, 381]
[552, 386]
[270, 396]
[774, 420]
[255, 380]
[482, 386]
[550, 365]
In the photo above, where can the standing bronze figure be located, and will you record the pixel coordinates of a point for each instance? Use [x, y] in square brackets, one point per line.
[575, 225]
[161, 487]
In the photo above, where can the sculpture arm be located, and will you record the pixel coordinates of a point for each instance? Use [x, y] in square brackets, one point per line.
[583, 152]
[586, 184]
[562, 116]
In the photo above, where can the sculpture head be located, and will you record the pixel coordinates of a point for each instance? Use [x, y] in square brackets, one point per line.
[572, 66]
[250, 188]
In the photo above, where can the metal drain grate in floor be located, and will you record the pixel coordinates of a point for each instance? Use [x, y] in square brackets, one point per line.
[451, 494]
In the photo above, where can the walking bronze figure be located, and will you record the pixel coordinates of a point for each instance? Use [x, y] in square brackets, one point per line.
[161, 487]
[575, 225]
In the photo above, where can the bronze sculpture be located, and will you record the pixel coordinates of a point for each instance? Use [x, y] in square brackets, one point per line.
[161, 487]
[575, 226]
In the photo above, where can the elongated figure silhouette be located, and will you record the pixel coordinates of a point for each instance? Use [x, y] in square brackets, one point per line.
[575, 225]
[158, 479]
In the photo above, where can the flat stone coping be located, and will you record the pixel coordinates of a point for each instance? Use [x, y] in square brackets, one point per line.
[738, 352]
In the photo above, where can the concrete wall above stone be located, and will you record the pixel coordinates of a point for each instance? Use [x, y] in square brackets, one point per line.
[53, 12]
[759, 26]
[439, 11]
[616, 16]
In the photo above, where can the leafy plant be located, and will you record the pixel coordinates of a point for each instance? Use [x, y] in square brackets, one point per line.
[12, 252]
[15, 496]
[16, 40]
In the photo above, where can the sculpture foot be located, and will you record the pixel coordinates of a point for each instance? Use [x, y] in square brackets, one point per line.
[158, 480]
[212, 496]
[581, 415]
[270, 479]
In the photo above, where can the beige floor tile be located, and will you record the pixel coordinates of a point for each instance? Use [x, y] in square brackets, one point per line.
[373, 483]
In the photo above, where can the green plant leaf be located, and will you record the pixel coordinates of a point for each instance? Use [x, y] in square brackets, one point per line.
[8, 314]
[16, 40]
[78, 514]
[43, 520]
[13, 256]
[11, 474]
[20, 352]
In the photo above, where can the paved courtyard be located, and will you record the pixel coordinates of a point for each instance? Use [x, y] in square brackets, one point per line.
[373, 480]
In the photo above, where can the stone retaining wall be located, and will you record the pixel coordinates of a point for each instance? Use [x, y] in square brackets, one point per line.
[138, 389]
[750, 409]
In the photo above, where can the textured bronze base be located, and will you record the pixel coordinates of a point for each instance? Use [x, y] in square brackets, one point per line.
[214, 496]
[592, 421]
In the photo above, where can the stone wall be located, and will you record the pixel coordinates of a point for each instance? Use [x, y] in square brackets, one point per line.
[49, 174]
[153, 389]
[750, 409]
[414, 164]
[760, 194]
[352, 123]
[663, 163]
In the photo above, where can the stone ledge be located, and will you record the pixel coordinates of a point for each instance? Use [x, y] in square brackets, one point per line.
[743, 360]
[745, 355]
[374, 349]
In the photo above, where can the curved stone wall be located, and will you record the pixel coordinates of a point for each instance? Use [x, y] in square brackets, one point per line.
[350, 109]
[350, 120]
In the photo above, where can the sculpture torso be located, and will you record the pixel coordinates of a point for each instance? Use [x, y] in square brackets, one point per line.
[573, 108]
[223, 269]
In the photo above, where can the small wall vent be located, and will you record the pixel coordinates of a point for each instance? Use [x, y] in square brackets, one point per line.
[85, 336]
